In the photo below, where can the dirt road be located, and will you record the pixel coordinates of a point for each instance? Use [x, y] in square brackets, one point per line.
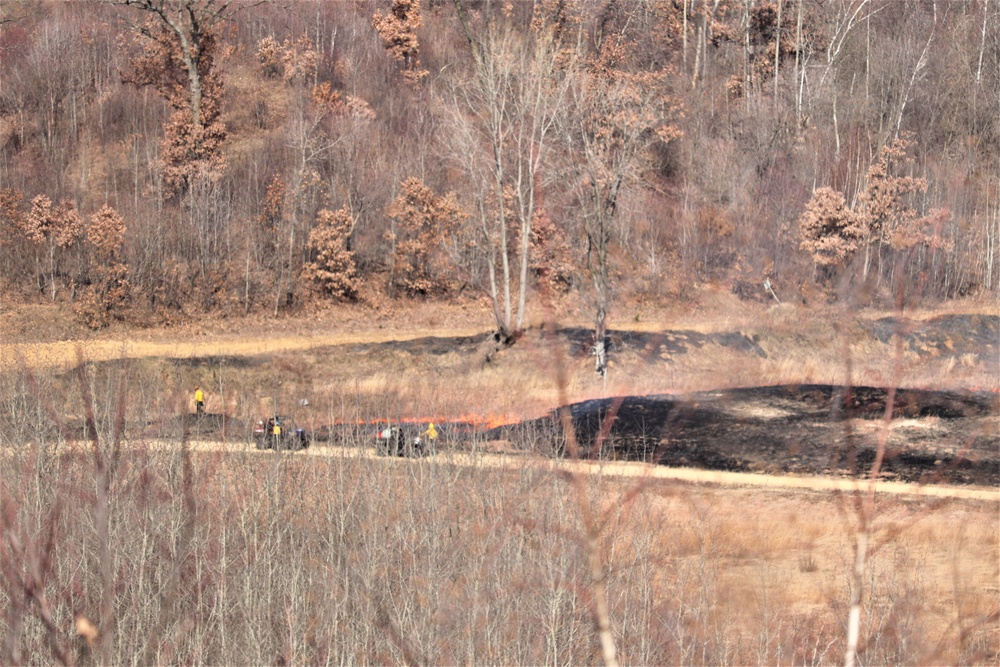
[638, 471]
[64, 354]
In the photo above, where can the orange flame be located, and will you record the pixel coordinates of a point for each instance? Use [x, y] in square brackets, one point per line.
[483, 422]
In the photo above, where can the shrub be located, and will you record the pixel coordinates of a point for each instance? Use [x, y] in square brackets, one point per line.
[333, 270]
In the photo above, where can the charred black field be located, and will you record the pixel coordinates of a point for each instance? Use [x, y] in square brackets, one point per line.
[931, 437]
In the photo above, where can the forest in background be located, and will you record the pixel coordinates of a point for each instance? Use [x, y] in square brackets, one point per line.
[165, 159]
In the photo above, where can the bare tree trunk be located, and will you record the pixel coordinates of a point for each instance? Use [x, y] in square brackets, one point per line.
[600, 341]
[917, 69]
[857, 581]
[777, 52]
[746, 54]
[194, 78]
[697, 53]
[189, 38]
[503, 326]
[597, 261]
[868, 58]
[602, 610]
[836, 128]
[992, 232]
[982, 42]
[798, 63]
[866, 513]
[684, 35]
[502, 227]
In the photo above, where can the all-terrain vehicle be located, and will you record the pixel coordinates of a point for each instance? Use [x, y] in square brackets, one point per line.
[279, 432]
[394, 440]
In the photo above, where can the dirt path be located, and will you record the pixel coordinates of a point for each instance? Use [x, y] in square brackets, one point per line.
[64, 354]
[637, 471]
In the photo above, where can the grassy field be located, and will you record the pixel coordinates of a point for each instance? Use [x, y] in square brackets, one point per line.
[132, 548]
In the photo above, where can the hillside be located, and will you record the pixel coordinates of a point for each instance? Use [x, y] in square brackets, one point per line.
[654, 267]
[589, 154]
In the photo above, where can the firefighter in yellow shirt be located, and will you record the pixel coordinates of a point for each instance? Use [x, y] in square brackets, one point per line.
[276, 432]
[430, 433]
[199, 400]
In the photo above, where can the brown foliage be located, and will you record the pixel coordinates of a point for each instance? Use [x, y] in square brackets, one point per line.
[830, 231]
[52, 231]
[846, 82]
[424, 222]
[270, 55]
[886, 206]
[398, 32]
[551, 257]
[332, 101]
[106, 298]
[10, 216]
[110, 291]
[923, 231]
[333, 271]
[194, 133]
[106, 235]
[763, 37]
[291, 61]
[271, 209]
[60, 227]
[560, 20]
[191, 151]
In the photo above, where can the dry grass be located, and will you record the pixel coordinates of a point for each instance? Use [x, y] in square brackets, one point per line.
[294, 560]
[791, 553]
[518, 384]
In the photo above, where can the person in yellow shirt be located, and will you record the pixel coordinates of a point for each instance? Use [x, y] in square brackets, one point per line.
[199, 400]
[430, 433]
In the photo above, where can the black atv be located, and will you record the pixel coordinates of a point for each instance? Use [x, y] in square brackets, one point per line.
[391, 440]
[279, 433]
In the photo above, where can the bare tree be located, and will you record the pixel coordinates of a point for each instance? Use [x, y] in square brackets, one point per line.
[505, 116]
[618, 115]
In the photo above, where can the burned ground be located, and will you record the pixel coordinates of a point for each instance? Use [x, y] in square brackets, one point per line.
[941, 437]
[578, 342]
[945, 335]
[658, 345]
[944, 437]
